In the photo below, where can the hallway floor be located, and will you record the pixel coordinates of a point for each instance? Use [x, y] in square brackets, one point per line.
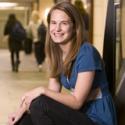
[14, 85]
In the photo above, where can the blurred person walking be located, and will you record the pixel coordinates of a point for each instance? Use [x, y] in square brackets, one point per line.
[41, 44]
[16, 33]
[32, 31]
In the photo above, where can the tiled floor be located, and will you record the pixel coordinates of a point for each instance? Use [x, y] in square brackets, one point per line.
[14, 85]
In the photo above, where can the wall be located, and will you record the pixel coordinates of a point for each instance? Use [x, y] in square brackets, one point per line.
[100, 10]
[123, 29]
[44, 7]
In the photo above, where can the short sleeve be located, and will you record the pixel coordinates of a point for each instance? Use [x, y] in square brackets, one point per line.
[88, 59]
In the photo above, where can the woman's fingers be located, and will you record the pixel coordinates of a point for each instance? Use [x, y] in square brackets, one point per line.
[24, 99]
[11, 119]
[31, 95]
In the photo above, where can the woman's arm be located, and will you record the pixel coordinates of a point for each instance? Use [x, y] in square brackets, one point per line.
[78, 96]
[54, 85]
[31, 95]
[6, 29]
[74, 100]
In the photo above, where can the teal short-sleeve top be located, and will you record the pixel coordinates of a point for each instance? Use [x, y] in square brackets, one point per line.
[101, 110]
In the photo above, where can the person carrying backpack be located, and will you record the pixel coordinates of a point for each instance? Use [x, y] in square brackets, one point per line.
[16, 33]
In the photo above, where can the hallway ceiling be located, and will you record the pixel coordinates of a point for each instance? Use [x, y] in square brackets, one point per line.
[20, 1]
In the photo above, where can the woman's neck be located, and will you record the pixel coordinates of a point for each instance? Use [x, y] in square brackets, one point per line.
[65, 49]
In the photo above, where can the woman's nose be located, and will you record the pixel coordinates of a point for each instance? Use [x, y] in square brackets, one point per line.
[58, 27]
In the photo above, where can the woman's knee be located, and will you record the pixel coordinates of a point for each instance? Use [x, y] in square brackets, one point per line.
[40, 103]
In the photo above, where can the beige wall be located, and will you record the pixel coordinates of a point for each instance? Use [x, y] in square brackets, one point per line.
[100, 10]
[44, 5]
[123, 29]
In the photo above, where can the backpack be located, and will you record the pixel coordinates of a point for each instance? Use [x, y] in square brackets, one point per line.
[18, 32]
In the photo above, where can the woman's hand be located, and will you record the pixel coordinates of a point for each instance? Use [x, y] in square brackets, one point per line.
[14, 117]
[31, 95]
[25, 103]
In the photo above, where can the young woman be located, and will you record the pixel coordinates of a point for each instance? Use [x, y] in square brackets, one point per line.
[76, 65]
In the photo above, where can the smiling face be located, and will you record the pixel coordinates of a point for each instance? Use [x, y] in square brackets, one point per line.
[61, 27]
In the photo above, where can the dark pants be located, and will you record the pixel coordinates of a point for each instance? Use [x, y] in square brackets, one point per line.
[15, 47]
[45, 111]
[39, 52]
[15, 60]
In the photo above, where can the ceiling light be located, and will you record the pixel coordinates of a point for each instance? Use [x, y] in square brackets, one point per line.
[7, 5]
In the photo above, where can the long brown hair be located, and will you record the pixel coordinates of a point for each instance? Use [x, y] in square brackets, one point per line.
[53, 51]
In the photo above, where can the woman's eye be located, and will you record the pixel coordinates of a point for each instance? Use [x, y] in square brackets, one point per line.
[64, 23]
[52, 22]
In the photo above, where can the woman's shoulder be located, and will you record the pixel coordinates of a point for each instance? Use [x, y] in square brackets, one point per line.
[88, 51]
[88, 58]
[87, 47]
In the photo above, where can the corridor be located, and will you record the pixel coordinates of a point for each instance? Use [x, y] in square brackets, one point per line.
[14, 85]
